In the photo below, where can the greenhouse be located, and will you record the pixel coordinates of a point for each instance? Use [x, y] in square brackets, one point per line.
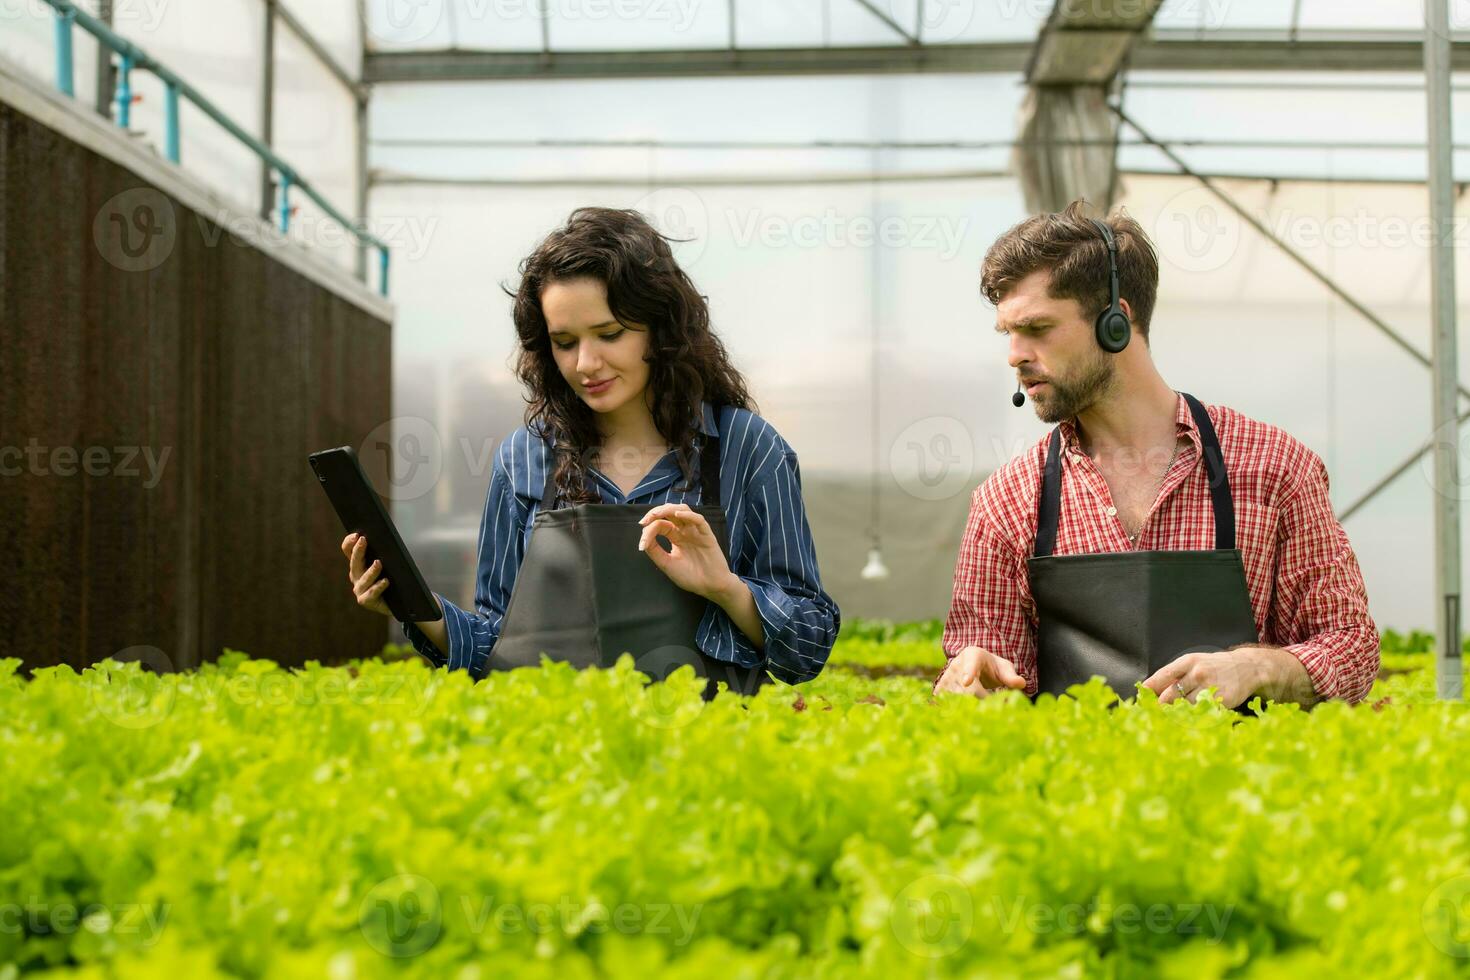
[803, 487]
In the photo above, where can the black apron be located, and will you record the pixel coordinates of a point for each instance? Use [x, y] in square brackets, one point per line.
[1124, 615]
[585, 594]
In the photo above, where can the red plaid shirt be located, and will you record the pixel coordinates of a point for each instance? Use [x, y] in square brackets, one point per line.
[1305, 586]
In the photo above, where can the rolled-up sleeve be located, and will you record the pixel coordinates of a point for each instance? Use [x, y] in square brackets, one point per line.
[778, 562]
[1321, 605]
[471, 634]
[987, 608]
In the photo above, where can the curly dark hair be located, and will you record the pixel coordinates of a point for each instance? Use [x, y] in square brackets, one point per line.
[645, 286]
[1072, 248]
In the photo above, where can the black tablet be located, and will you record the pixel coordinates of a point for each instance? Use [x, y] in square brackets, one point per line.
[362, 512]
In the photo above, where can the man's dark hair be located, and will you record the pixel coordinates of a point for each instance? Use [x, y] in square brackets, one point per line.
[1071, 246]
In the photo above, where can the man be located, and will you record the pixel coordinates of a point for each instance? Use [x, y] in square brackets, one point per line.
[1147, 537]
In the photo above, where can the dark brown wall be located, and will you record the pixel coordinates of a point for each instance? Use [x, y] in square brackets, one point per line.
[231, 362]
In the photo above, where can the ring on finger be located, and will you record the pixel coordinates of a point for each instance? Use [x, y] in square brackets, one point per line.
[1179, 689]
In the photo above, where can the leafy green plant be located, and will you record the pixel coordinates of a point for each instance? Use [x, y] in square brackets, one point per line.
[384, 819]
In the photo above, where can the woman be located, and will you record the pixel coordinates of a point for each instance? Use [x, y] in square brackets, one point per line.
[637, 421]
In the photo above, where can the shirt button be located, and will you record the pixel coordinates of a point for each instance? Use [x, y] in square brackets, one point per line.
[1112, 512]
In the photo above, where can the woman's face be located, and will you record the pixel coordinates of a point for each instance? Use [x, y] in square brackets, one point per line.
[602, 359]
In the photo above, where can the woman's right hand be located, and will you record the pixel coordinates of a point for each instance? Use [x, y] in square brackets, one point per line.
[366, 586]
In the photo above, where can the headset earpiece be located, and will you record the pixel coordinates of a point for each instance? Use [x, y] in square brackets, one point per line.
[1112, 327]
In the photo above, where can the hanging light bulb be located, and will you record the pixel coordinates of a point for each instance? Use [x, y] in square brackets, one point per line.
[875, 570]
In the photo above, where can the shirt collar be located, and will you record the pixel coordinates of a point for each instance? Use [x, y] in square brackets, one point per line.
[666, 470]
[707, 422]
[1184, 425]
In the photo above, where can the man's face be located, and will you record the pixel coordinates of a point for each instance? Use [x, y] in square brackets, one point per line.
[1053, 349]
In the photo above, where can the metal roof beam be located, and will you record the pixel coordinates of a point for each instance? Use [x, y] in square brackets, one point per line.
[318, 49]
[1158, 51]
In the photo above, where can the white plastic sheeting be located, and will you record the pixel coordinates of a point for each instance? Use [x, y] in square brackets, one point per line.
[661, 24]
[790, 246]
[315, 129]
[216, 48]
[815, 269]
[335, 27]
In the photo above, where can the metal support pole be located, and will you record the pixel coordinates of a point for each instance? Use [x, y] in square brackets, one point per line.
[65, 75]
[171, 121]
[284, 214]
[1443, 350]
[267, 104]
[105, 82]
[124, 91]
[383, 271]
[362, 183]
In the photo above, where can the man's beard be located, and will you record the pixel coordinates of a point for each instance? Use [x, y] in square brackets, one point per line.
[1069, 397]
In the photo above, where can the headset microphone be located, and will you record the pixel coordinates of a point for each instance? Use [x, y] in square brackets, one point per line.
[1018, 399]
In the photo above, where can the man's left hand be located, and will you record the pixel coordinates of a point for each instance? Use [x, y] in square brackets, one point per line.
[1236, 675]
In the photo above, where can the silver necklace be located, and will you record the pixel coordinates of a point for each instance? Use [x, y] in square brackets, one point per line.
[1133, 538]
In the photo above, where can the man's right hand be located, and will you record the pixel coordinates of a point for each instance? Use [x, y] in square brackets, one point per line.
[977, 671]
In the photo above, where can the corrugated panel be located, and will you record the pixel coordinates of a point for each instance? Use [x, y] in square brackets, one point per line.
[198, 371]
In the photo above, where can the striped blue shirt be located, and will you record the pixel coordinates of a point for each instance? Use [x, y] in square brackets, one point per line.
[770, 545]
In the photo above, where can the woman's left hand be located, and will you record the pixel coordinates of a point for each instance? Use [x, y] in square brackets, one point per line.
[696, 563]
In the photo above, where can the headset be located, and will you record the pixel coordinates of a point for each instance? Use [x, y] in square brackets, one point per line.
[1112, 327]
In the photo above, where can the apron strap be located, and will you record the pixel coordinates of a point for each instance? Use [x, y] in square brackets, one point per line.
[1049, 507]
[1224, 504]
[1049, 510]
[709, 476]
[709, 472]
[548, 494]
